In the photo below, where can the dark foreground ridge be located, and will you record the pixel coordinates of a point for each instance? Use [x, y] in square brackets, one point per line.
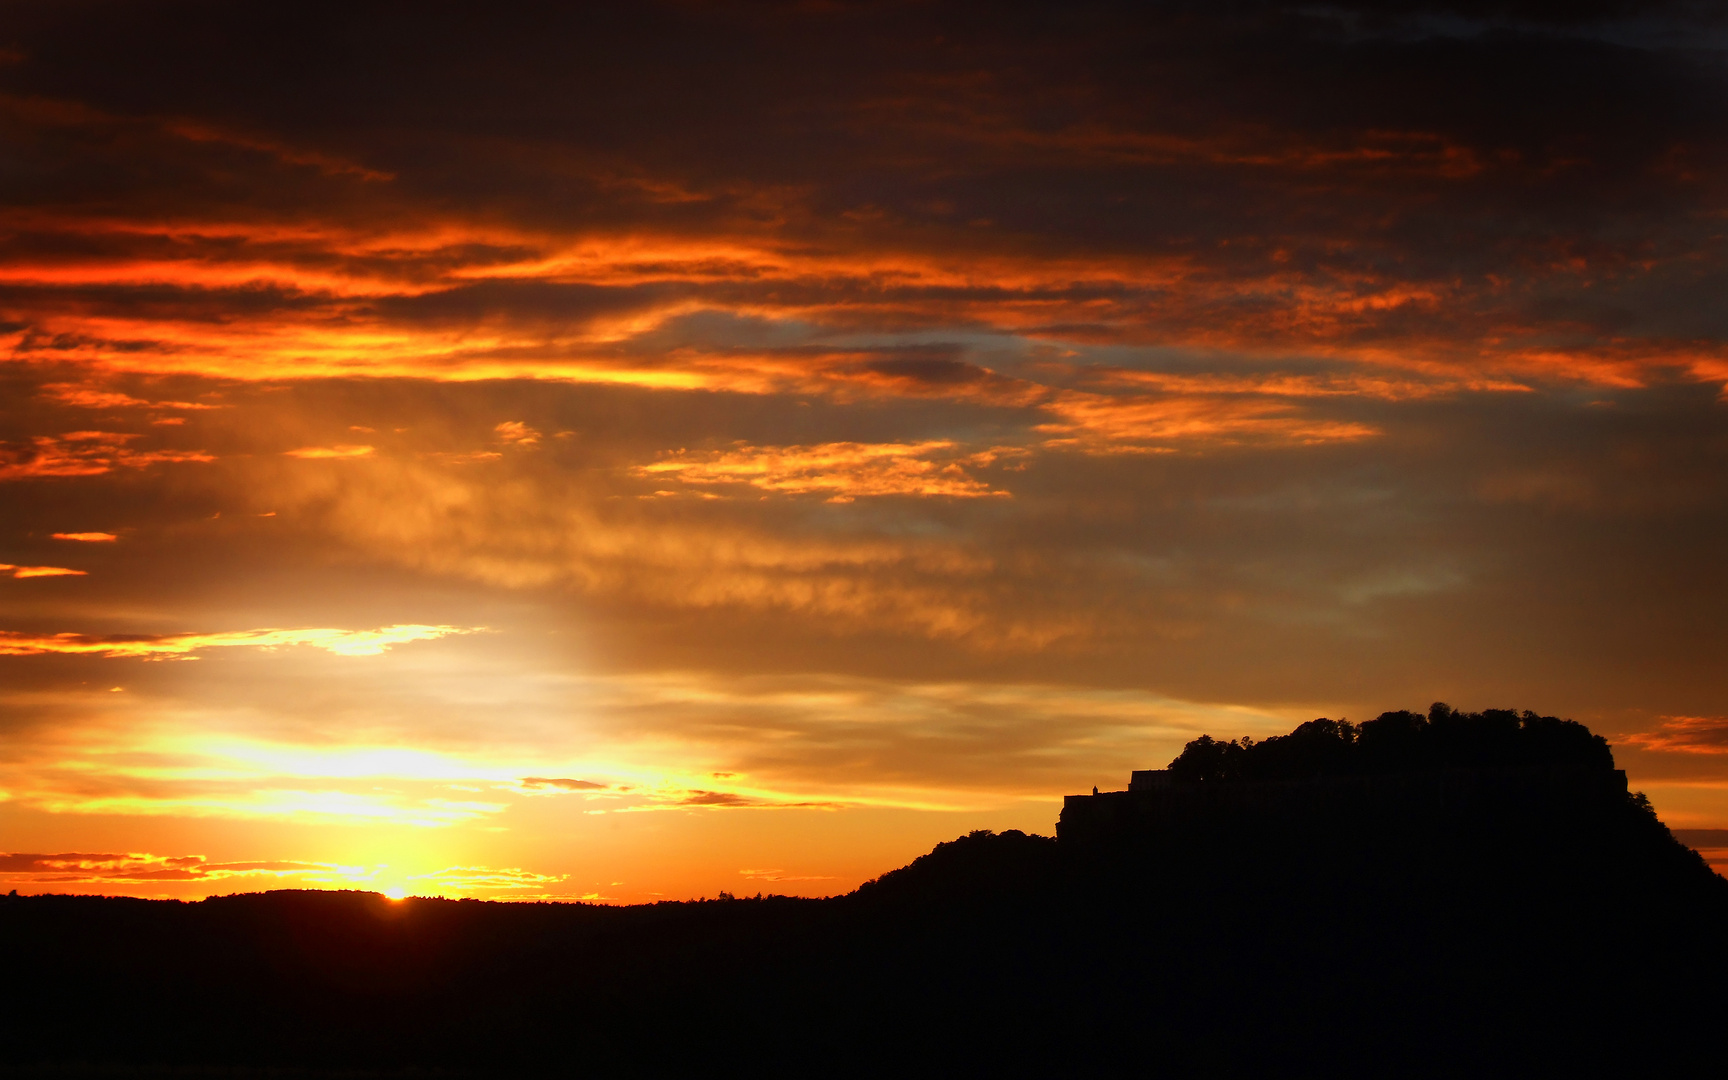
[1449, 894]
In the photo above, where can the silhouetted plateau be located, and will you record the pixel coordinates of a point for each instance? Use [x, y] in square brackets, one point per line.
[1449, 894]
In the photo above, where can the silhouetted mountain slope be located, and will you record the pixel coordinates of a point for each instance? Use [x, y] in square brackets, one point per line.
[978, 864]
[1411, 921]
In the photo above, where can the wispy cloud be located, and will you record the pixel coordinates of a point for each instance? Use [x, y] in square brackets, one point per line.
[563, 783]
[1102, 424]
[840, 472]
[323, 452]
[84, 453]
[80, 871]
[340, 642]
[517, 433]
[39, 571]
[733, 799]
[781, 875]
[1685, 735]
[467, 880]
[88, 396]
[142, 868]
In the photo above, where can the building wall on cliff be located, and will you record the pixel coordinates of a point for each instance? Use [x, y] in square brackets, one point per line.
[1158, 807]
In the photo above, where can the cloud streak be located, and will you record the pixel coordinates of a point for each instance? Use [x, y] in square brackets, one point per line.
[840, 472]
[78, 871]
[162, 646]
[1685, 735]
[324, 453]
[136, 868]
[84, 453]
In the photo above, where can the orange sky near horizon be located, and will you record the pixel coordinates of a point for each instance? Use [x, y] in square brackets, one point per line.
[653, 451]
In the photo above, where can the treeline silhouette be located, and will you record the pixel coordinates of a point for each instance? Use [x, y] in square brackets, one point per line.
[1572, 935]
[1397, 742]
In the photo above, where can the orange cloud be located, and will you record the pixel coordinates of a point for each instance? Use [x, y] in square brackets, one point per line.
[1686, 735]
[1098, 424]
[839, 471]
[88, 537]
[726, 800]
[341, 642]
[469, 879]
[84, 453]
[520, 535]
[40, 571]
[20, 868]
[1381, 387]
[108, 870]
[340, 271]
[341, 330]
[781, 875]
[93, 397]
[563, 783]
[321, 452]
[514, 431]
[318, 285]
[671, 796]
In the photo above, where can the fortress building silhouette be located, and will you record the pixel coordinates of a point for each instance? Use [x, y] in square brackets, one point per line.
[1158, 804]
[1443, 776]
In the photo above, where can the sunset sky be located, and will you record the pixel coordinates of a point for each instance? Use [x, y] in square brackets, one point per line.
[633, 453]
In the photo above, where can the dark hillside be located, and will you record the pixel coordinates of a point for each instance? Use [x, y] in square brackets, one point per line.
[1462, 903]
